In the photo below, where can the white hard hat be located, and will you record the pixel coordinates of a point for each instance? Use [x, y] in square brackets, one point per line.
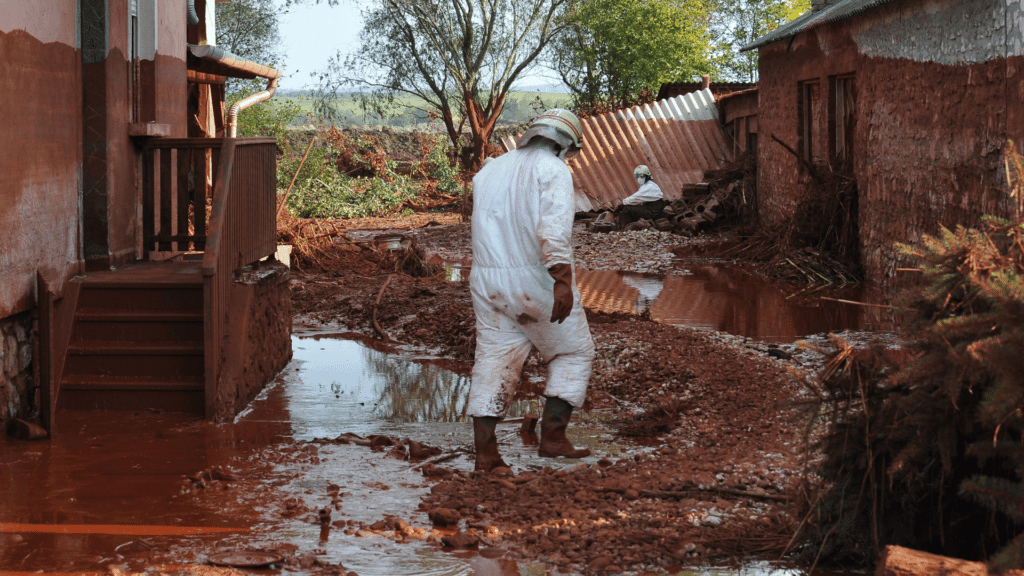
[642, 170]
[557, 124]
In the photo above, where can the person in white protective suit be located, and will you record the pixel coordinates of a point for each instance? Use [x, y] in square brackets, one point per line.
[524, 293]
[647, 202]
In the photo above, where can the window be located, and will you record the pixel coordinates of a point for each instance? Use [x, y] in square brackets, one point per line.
[809, 121]
[842, 119]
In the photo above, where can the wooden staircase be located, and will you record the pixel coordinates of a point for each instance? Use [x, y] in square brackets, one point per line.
[137, 342]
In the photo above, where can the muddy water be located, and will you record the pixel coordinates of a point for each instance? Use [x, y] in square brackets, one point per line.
[727, 298]
[111, 488]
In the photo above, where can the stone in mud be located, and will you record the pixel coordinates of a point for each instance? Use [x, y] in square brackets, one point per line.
[492, 552]
[380, 442]
[460, 540]
[432, 471]
[502, 471]
[444, 516]
[631, 494]
[419, 451]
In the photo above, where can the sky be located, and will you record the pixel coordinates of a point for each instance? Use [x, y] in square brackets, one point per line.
[312, 32]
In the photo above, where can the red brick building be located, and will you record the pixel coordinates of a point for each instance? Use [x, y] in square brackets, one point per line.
[917, 97]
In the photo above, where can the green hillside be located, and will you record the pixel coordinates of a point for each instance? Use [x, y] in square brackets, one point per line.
[520, 107]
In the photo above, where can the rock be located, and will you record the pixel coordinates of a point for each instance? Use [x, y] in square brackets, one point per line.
[503, 472]
[631, 494]
[600, 563]
[432, 471]
[460, 540]
[418, 451]
[712, 521]
[444, 516]
[379, 442]
[25, 430]
[492, 552]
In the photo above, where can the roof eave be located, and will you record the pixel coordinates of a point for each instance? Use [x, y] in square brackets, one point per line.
[218, 61]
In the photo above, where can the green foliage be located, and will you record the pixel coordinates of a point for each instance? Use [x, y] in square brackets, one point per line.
[909, 450]
[459, 57]
[266, 119]
[249, 29]
[371, 186]
[437, 166]
[616, 50]
[320, 191]
[737, 23]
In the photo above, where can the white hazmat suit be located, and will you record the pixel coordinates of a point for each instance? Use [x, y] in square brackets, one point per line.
[523, 209]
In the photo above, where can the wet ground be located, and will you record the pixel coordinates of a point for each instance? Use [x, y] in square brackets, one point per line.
[168, 493]
[165, 492]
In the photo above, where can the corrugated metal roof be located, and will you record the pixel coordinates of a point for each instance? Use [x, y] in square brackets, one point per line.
[678, 138]
[838, 11]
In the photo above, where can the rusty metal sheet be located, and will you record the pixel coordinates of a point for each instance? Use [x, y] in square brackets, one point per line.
[814, 18]
[678, 138]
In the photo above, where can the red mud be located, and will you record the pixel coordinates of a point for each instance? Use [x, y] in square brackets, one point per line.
[720, 482]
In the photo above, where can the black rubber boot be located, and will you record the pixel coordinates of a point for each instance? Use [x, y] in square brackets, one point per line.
[487, 456]
[553, 442]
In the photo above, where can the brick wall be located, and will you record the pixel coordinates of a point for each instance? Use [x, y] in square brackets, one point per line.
[936, 86]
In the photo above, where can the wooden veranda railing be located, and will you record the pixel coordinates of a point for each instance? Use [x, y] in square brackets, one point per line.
[236, 229]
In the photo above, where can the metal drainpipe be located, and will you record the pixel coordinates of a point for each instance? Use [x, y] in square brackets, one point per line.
[232, 123]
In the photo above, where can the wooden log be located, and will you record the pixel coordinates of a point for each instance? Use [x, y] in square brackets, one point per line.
[900, 561]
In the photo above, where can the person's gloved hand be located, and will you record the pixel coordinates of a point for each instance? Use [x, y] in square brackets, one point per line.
[562, 273]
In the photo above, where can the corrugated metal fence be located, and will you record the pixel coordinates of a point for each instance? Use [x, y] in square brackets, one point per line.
[678, 138]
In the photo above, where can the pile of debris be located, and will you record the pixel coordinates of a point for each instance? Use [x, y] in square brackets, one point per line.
[727, 196]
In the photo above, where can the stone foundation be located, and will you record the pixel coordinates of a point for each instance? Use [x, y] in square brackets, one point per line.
[17, 336]
[258, 334]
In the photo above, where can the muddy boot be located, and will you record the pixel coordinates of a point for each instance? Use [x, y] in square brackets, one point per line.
[487, 456]
[553, 442]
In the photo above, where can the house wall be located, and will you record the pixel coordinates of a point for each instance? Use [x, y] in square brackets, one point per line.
[40, 176]
[937, 86]
[68, 182]
[111, 223]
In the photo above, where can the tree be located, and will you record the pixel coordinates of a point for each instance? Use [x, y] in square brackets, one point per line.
[249, 29]
[737, 23]
[616, 51]
[456, 58]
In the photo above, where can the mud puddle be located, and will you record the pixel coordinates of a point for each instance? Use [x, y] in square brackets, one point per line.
[726, 298]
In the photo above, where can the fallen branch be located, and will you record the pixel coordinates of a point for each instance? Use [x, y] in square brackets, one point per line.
[854, 302]
[442, 459]
[376, 325]
[664, 495]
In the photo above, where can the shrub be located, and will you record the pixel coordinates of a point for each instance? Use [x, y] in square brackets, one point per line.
[910, 454]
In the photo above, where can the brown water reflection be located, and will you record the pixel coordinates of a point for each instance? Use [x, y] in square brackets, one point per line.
[729, 299]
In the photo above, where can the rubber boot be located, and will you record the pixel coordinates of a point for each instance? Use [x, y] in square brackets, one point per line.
[487, 456]
[553, 442]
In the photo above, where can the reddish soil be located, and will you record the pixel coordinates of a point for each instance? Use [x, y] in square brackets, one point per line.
[722, 481]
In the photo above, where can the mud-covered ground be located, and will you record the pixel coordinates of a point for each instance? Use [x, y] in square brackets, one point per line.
[722, 479]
